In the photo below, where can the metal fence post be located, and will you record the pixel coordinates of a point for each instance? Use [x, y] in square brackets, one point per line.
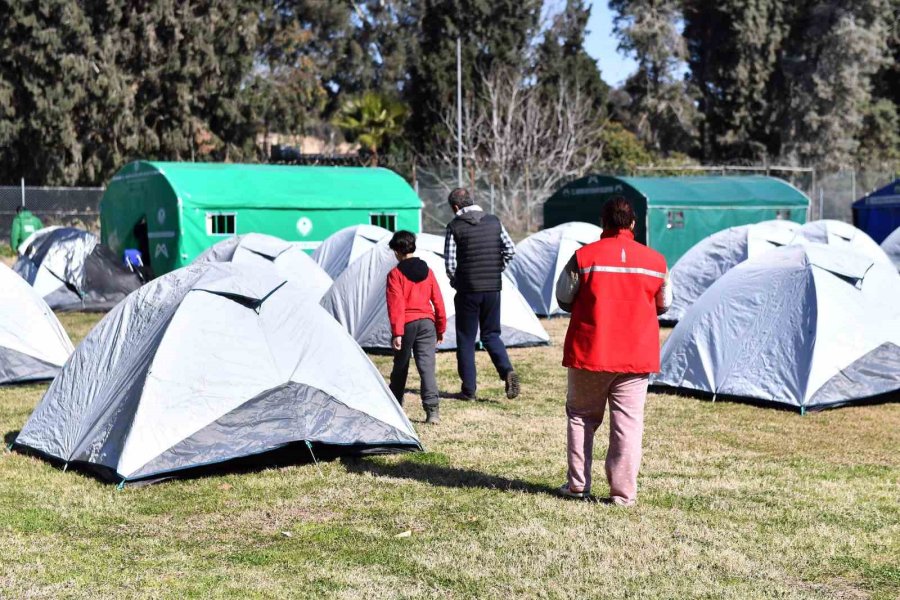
[23, 192]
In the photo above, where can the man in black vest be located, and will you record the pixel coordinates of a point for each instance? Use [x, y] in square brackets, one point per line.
[476, 251]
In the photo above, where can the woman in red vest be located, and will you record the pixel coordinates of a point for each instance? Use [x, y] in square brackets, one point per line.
[615, 288]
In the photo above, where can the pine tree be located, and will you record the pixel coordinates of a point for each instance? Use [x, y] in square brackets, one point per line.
[660, 109]
[493, 33]
[562, 60]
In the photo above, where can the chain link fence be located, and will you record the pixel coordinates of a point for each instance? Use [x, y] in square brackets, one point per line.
[73, 207]
[831, 194]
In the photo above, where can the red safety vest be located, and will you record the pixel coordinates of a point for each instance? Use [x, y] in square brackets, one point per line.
[614, 326]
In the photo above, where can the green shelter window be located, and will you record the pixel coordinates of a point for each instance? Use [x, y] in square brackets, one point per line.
[385, 220]
[220, 223]
[783, 214]
[675, 219]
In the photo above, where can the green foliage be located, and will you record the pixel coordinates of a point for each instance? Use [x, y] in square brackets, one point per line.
[654, 102]
[562, 60]
[493, 33]
[622, 150]
[373, 120]
[792, 81]
[86, 86]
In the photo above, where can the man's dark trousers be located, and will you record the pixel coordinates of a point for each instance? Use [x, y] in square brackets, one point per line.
[474, 310]
[420, 341]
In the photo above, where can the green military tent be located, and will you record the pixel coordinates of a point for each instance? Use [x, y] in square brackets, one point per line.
[173, 211]
[674, 213]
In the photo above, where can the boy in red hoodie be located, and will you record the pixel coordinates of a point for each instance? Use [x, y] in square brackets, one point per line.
[418, 321]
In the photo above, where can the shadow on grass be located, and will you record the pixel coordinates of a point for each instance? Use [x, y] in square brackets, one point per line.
[454, 396]
[443, 476]
[9, 437]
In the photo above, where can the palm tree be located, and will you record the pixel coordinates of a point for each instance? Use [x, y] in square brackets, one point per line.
[372, 120]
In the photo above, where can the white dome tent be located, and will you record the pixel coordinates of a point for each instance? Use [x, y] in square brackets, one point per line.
[213, 363]
[541, 257]
[357, 301]
[342, 248]
[71, 270]
[33, 343]
[891, 247]
[843, 235]
[291, 262]
[712, 257]
[803, 326]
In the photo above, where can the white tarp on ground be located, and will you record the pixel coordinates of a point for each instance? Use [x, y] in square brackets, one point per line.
[342, 248]
[71, 270]
[891, 247]
[838, 233]
[33, 344]
[806, 326]
[715, 255]
[257, 249]
[541, 257]
[357, 301]
[210, 363]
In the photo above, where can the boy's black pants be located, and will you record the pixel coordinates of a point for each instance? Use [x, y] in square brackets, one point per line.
[419, 341]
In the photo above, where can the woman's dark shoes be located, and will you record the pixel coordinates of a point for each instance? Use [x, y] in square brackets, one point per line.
[432, 415]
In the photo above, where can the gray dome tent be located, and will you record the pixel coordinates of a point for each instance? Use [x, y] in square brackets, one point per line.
[342, 248]
[72, 270]
[803, 326]
[213, 363]
[842, 235]
[262, 250]
[357, 301]
[891, 247]
[541, 257]
[33, 343]
[709, 259]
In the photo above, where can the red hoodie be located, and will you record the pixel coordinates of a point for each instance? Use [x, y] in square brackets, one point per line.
[412, 294]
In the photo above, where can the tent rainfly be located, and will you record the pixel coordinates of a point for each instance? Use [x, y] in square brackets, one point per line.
[213, 363]
[891, 247]
[842, 235]
[878, 213]
[340, 249]
[541, 257]
[71, 270]
[709, 259]
[357, 301]
[257, 249]
[674, 213]
[802, 326]
[174, 211]
[33, 343]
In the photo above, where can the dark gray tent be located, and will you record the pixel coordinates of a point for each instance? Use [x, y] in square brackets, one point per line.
[71, 270]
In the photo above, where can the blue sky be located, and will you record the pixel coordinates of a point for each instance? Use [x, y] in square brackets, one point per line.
[601, 45]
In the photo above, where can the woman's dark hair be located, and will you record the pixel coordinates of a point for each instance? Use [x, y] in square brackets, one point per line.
[617, 214]
[403, 242]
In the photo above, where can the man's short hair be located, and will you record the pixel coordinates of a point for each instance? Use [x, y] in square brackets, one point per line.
[403, 242]
[19, 209]
[461, 198]
[617, 214]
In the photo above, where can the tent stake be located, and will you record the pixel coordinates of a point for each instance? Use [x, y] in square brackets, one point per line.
[308, 445]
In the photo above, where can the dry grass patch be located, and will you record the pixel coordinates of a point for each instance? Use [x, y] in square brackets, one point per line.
[735, 502]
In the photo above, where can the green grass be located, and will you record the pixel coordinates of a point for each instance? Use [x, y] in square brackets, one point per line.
[735, 502]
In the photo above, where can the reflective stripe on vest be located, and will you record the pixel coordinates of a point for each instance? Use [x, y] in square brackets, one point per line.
[637, 270]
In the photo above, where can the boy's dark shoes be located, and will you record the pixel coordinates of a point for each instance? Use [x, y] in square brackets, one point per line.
[512, 385]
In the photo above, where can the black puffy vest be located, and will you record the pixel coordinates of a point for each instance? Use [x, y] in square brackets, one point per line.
[479, 252]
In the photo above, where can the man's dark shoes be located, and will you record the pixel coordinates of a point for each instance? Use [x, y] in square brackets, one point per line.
[512, 385]
[432, 415]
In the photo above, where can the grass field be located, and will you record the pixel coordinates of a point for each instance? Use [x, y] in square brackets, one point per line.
[735, 502]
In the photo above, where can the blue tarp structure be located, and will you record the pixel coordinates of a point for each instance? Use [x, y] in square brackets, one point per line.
[878, 214]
